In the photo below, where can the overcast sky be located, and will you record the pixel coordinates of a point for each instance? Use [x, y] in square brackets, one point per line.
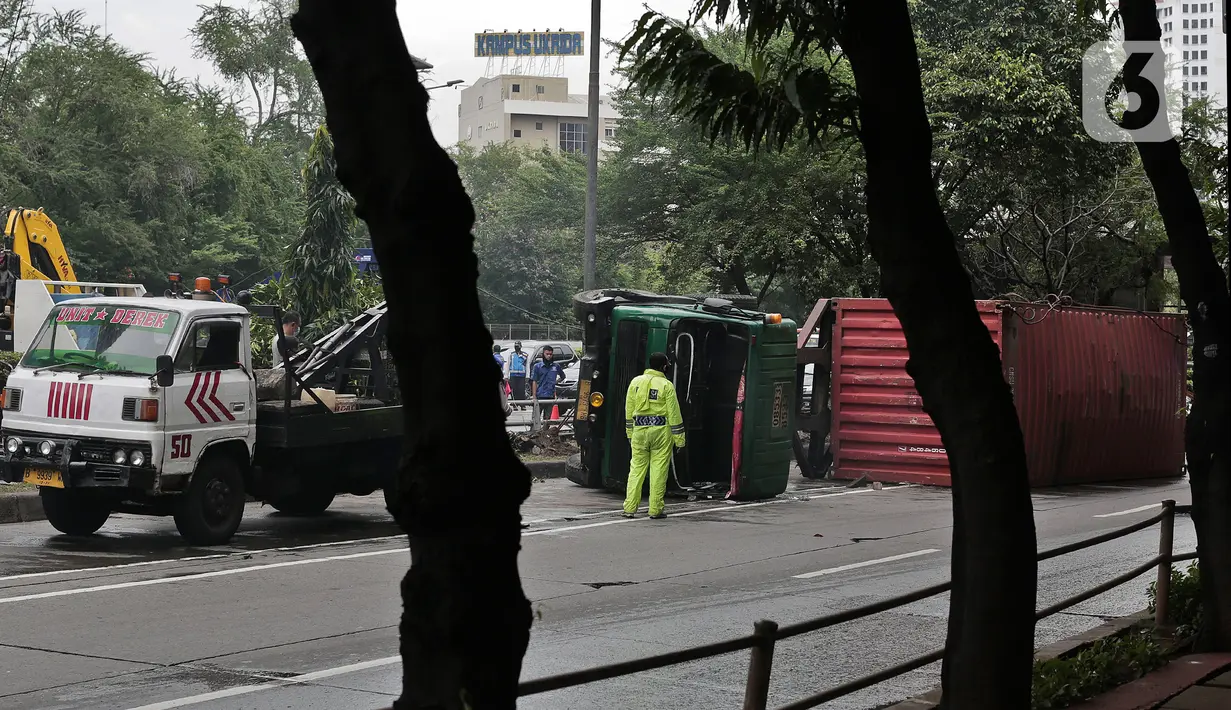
[441, 32]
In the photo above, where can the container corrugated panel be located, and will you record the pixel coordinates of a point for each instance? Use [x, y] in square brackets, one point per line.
[879, 427]
[1099, 392]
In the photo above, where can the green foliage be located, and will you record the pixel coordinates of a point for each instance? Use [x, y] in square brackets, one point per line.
[1036, 206]
[8, 360]
[254, 49]
[529, 221]
[321, 264]
[1105, 664]
[143, 172]
[1184, 608]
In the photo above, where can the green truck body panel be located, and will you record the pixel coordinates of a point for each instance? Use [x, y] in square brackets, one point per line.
[753, 436]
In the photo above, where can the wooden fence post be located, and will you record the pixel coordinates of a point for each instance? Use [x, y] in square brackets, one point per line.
[1162, 589]
[760, 663]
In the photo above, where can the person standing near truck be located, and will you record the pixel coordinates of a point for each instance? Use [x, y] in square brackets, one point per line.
[655, 429]
[290, 326]
[546, 374]
[518, 361]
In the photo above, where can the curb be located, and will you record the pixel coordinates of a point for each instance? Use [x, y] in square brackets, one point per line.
[1064, 647]
[21, 507]
[547, 469]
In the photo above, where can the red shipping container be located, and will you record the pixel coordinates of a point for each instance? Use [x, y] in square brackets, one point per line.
[1099, 392]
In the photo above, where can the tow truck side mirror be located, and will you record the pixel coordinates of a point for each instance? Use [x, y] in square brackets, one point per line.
[164, 370]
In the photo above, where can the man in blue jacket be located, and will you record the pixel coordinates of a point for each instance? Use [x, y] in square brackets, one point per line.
[518, 369]
[546, 374]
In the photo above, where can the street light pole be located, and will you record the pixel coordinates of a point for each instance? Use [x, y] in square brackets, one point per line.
[591, 256]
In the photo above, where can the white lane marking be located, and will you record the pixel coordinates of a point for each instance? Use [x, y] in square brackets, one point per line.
[150, 563]
[376, 553]
[357, 541]
[200, 575]
[867, 563]
[1142, 509]
[276, 683]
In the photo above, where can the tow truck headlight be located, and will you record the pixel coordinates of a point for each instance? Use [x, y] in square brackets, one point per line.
[136, 458]
[119, 456]
[46, 448]
[596, 400]
[12, 445]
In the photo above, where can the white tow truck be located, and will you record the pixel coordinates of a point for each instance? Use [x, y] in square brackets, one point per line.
[150, 405]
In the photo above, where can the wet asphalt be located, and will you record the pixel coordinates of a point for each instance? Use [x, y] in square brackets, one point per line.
[302, 614]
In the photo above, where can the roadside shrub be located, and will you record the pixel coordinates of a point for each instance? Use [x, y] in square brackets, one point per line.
[1105, 664]
[1185, 597]
[8, 361]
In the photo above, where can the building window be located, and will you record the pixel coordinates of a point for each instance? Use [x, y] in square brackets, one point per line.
[540, 89]
[517, 88]
[1205, 39]
[480, 102]
[1205, 54]
[517, 133]
[1185, 24]
[1168, 41]
[1185, 39]
[1185, 71]
[1186, 55]
[1186, 8]
[538, 125]
[1205, 86]
[609, 132]
[573, 137]
[1203, 24]
[1186, 86]
[1204, 70]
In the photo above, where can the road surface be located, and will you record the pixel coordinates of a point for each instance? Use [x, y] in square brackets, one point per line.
[303, 613]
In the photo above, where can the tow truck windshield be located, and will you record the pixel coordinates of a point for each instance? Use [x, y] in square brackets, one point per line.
[102, 339]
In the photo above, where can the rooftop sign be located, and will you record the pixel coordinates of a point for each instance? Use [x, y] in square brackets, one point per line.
[529, 44]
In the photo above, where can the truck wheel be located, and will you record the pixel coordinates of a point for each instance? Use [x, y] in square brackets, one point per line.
[208, 513]
[312, 499]
[73, 512]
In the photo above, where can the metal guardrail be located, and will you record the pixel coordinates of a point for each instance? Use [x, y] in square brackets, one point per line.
[535, 331]
[767, 633]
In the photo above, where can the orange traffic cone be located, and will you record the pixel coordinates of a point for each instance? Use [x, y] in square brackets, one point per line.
[555, 412]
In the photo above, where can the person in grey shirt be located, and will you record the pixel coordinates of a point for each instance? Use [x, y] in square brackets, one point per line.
[290, 326]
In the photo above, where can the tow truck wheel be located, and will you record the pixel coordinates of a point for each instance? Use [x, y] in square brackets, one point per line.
[74, 512]
[308, 501]
[208, 513]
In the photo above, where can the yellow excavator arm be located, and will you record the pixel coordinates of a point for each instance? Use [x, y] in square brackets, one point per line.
[35, 239]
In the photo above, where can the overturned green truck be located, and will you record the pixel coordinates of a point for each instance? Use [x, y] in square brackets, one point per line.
[734, 372]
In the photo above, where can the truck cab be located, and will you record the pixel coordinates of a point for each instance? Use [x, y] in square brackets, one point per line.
[136, 405]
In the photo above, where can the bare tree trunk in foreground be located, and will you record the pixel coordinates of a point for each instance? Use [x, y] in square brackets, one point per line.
[466, 621]
[1203, 286]
[956, 367]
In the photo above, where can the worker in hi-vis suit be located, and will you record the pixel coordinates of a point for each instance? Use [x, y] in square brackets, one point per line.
[654, 426]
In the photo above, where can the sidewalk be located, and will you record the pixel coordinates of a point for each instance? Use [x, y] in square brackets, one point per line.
[1195, 682]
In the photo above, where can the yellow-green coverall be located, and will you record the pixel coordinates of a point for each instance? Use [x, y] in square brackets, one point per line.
[654, 425]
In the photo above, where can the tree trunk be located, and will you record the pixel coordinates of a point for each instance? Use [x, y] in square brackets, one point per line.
[956, 368]
[1203, 287]
[466, 621]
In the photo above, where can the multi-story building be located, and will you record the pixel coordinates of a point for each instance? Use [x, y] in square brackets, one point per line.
[1196, 45]
[531, 111]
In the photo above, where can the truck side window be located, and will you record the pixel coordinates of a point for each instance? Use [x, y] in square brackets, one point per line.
[212, 345]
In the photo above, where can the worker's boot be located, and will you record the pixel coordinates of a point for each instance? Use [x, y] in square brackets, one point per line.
[659, 516]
